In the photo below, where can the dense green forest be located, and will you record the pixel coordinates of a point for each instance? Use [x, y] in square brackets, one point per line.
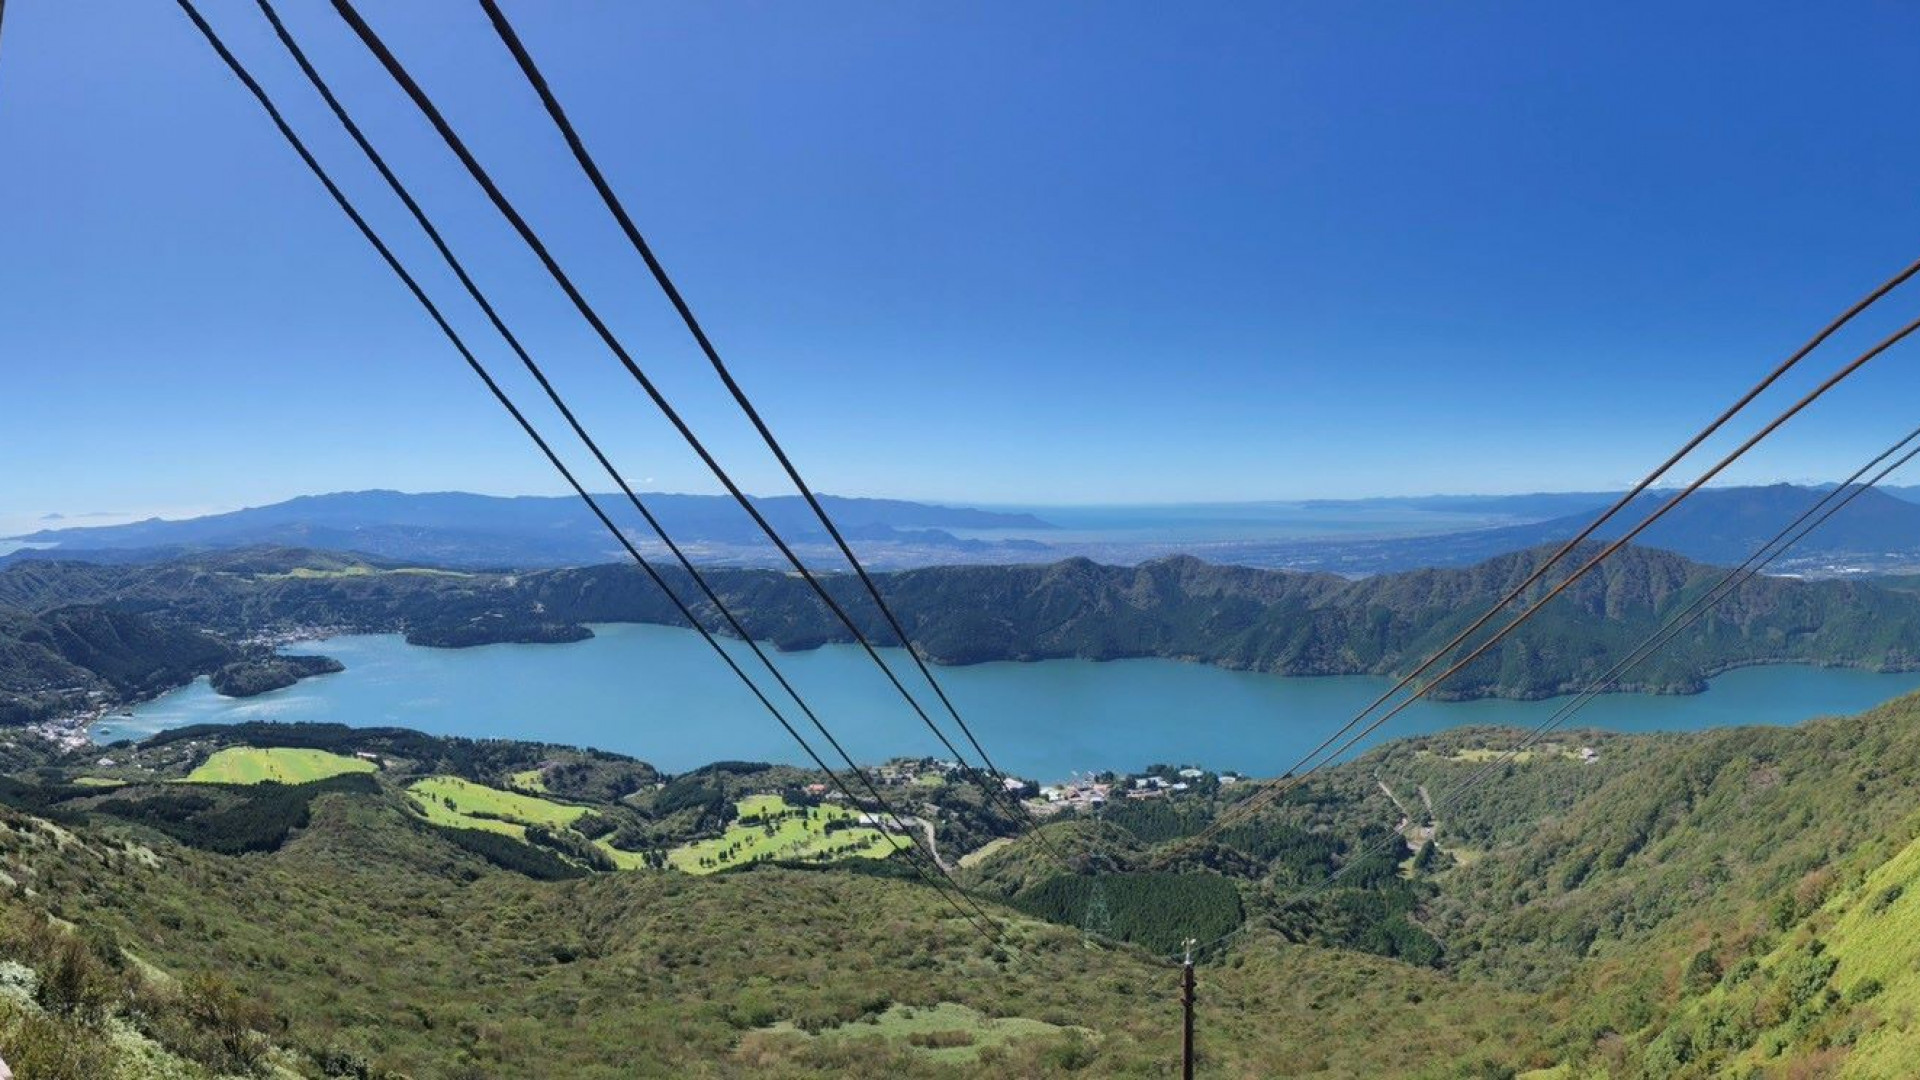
[265, 671]
[68, 629]
[69, 656]
[1155, 911]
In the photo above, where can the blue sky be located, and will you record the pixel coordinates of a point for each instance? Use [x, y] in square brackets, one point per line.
[997, 252]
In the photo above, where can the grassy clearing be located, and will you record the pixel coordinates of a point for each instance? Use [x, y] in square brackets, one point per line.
[1873, 938]
[274, 764]
[948, 1032]
[440, 813]
[463, 804]
[99, 781]
[530, 780]
[984, 852]
[768, 828]
[1465, 856]
[624, 860]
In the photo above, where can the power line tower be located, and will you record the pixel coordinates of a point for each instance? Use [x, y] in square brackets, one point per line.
[1098, 921]
[1186, 1005]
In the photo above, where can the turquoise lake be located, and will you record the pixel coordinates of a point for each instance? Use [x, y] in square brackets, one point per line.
[659, 694]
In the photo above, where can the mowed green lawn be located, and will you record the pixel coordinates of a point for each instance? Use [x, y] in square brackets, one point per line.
[463, 804]
[280, 764]
[770, 828]
[449, 800]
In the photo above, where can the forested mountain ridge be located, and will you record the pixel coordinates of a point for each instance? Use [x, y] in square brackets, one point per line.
[1259, 620]
[68, 656]
[1880, 532]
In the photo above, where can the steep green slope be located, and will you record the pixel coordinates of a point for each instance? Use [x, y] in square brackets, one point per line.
[374, 941]
[1733, 902]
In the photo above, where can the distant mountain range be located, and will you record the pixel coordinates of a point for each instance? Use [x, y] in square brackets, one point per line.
[464, 530]
[1878, 533]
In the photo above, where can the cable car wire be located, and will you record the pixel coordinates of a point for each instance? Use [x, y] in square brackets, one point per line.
[988, 930]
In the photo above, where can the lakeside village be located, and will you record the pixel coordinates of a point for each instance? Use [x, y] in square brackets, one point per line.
[1084, 792]
[69, 730]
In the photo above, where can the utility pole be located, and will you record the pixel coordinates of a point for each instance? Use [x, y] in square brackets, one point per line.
[1186, 1004]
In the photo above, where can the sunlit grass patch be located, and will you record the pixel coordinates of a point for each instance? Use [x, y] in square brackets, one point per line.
[274, 764]
[449, 800]
[770, 829]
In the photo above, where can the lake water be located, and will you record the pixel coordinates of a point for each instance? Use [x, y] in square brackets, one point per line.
[659, 694]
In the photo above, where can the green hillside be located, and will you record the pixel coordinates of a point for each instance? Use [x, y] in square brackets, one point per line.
[1735, 902]
[377, 942]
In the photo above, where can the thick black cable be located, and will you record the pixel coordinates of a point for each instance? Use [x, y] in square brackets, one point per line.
[995, 793]
[413, 286]
[1849, 490]
[533, 368]
[1619, 504]
[618, 209]
[1286, 783]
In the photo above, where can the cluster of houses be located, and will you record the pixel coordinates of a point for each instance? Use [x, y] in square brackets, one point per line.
[1078, 794]
[901, 772]
[1089, 793]
[904, 771]
[889, 822]
[1154, 787]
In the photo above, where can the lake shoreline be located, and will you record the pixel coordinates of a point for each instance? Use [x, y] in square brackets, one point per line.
[1496, 693]
[655, 693]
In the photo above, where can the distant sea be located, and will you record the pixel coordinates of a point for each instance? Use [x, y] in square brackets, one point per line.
[658, 693]
[1239, 523]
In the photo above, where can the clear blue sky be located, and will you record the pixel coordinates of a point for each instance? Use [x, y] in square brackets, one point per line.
[995, 252]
